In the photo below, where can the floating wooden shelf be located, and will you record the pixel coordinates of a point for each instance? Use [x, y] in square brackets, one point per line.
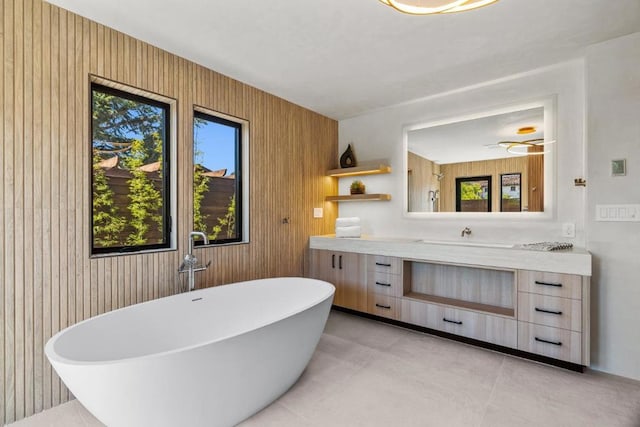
[358, 197]
[456, 303]
[360, 170]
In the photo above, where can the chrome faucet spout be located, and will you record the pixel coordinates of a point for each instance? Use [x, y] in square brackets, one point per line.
[190, 262]
[196, 234]
[465, 231]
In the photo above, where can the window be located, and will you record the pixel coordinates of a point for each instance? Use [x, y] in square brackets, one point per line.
[473, 194]
[510, 199]
[130, 172]
[218, 177]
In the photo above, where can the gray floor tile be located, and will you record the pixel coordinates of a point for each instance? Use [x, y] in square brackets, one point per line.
[365, 373]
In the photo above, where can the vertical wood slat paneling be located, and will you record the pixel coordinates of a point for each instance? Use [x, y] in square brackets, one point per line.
[494, 168]
[8, 182]
[46, 201]
[36, 264]
[536, 180]
[29, 202]
[47, 280]
[4, 341]
[4, 214]
[422, 180]
[19, 205]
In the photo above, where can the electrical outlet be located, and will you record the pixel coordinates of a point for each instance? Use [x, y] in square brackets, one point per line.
[317, 213]
[568, 229]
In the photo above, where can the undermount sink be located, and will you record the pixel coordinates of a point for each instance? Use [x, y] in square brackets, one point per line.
[467, 243]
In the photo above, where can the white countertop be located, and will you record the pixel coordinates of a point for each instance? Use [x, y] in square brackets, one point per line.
[571, 261]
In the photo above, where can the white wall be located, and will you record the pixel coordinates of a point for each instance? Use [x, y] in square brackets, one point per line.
[613, 132]
[379, 135]
[600, 94]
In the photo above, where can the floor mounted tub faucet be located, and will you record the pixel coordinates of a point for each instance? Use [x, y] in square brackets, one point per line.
[190, 263]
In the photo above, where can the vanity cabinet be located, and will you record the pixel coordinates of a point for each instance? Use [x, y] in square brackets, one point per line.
[472, 302]
[466, 323]
[543, 313]
[346, 271]
[384, 285]
[553, 315]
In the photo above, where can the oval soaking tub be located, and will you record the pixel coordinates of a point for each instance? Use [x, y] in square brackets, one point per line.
[211, 357]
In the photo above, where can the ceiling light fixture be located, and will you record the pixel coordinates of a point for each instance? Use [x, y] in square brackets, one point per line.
[522, 147]
[430, 7]
[525, 130]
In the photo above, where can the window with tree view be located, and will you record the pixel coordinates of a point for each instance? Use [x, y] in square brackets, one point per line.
[473, 194]
[130, 176]
[217, 175]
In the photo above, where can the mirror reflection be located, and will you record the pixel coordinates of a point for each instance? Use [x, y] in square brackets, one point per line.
[488, 164]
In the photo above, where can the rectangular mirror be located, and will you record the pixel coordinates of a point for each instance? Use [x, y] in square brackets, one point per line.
[494, 162]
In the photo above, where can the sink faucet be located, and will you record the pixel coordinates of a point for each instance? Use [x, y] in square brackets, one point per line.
[190, 261]
[466, 231]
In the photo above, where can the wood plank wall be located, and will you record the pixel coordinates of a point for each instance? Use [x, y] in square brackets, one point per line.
[536, 180]
[422, 179]
[47, 279]
[482, 168]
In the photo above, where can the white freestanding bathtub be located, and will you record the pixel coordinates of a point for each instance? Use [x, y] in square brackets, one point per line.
[211, 357]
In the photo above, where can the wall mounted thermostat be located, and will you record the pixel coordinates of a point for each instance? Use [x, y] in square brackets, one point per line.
[619, 167]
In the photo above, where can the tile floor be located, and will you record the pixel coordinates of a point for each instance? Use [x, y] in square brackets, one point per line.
[366, 373]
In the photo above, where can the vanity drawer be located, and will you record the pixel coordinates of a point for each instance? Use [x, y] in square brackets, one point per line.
[384, 264]
[382, 305]
[384, 283]
[554, 284]
[546, 310]
[551, 342]
[484, 327]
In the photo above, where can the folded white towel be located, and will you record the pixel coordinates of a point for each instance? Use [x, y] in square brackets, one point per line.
[347, 222]
[352, 231]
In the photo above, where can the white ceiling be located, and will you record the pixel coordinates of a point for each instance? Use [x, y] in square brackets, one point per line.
[345, 57]
[475, 139]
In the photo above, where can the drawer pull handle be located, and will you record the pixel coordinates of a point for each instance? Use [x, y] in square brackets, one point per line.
[542, 310]
[386, 307]
[557, 285]
[381, 264]
[558, 343]
[383, 284]
[457, 322]
[340, 262]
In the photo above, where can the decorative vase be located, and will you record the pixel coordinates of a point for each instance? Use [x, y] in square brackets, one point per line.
[348, 158]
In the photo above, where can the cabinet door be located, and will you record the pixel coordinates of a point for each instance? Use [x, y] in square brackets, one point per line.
[346, 271]
[351, 278]
[321, 266]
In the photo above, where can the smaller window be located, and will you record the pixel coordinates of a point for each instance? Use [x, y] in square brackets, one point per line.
[473, 194]
[217, 178]
[510, 198]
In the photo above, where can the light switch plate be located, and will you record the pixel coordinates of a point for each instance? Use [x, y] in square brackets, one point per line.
[624, 213]
[318, 213]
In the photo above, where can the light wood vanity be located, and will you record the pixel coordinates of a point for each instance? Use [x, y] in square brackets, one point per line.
[534, 303]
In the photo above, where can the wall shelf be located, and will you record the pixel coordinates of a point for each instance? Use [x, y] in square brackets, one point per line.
[358, 198]
[371, 169]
